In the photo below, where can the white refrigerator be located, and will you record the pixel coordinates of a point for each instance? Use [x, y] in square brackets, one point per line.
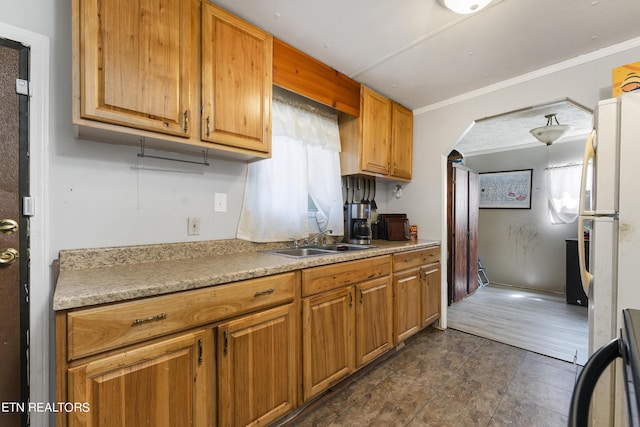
[610, 216]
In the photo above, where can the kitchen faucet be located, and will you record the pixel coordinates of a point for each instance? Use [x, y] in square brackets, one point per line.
[310, 240]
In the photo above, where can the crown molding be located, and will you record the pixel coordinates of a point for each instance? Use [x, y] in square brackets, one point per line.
[560, 66]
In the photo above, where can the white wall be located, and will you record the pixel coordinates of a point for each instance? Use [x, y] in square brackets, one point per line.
[437, 128]
[520, 247]
[585, 80]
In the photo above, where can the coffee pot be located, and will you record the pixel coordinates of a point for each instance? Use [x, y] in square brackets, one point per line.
[357, 228]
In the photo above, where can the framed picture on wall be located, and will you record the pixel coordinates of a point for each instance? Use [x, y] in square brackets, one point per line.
[506, 189]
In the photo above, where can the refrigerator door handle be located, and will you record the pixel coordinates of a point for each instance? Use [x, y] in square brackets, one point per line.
[583, 390]
[585, 277]
[589, 154]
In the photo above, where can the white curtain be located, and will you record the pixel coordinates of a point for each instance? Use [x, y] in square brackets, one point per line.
[305, 163]
[563, 188]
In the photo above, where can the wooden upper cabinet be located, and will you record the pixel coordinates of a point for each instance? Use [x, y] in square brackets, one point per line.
[380, 141]
[137, 63]
[236, 81]
[401, 141]
[376, 132]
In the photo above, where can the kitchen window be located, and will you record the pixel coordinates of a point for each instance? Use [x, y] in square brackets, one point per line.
[563, 192]
[305, 164]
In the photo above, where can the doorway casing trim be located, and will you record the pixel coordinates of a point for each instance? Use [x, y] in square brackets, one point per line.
[41, 316]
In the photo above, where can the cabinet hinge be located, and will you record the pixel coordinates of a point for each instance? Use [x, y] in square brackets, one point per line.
[200, 351]
[226, 342]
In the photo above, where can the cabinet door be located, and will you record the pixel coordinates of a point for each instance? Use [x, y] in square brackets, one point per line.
[374, 319]
[237, 63]
[376, 132]
[401, 141]
[257, 367]
[406, 295]
[430, 294]
[138, 62]
[327, 339]
[162, 384]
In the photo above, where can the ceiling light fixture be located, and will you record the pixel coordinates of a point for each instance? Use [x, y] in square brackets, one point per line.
[465, 7]
[550, 133]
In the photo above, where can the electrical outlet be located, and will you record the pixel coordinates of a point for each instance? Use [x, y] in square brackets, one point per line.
[220, 202]
[193, 224]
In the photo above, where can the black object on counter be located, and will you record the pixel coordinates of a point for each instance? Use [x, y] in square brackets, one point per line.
[393, 226]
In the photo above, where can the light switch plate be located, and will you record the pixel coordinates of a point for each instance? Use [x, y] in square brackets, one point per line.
[220, 202]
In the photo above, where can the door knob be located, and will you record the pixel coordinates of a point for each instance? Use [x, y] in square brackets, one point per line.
[8, 226]
[8, 256]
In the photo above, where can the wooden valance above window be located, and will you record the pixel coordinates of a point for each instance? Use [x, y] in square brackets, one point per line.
[298, 72]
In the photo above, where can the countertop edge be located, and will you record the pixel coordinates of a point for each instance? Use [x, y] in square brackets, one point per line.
[81, 288]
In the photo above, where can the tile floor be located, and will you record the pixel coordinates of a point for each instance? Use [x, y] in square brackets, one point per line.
[450, 378]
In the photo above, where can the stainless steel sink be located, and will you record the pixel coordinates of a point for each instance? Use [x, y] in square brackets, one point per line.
[301, 252]
[317, 251]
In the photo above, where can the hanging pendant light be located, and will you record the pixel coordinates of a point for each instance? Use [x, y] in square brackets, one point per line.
[550, 133]
[465, 7]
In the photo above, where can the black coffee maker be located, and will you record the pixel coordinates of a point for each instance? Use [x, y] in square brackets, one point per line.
[357, 229]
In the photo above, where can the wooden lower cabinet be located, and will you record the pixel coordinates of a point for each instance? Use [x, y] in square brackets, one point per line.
[430, 294]
[416, 291]
[257, 367]
[163, 384]
[344, 329]
[327, 339]
[406, 296]
[374, 323]
[247, 357]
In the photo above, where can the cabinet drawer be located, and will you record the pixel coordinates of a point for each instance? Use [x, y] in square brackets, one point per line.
[94, 330]
[320, 279]
[404, 260]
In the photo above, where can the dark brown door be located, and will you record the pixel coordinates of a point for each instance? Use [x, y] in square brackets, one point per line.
[462, 229]
[14, 313]
[472, 221]
[461, 235]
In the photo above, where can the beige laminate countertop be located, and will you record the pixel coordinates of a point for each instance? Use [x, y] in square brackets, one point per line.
[148, 272]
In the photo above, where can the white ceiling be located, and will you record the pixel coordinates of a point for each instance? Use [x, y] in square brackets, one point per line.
[418, 53]
[511, 130]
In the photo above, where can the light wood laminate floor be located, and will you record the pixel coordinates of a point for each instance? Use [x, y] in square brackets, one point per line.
[536, 321]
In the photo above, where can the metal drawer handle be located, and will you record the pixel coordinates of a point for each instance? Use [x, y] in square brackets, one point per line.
[149, 319]
[267, 292]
